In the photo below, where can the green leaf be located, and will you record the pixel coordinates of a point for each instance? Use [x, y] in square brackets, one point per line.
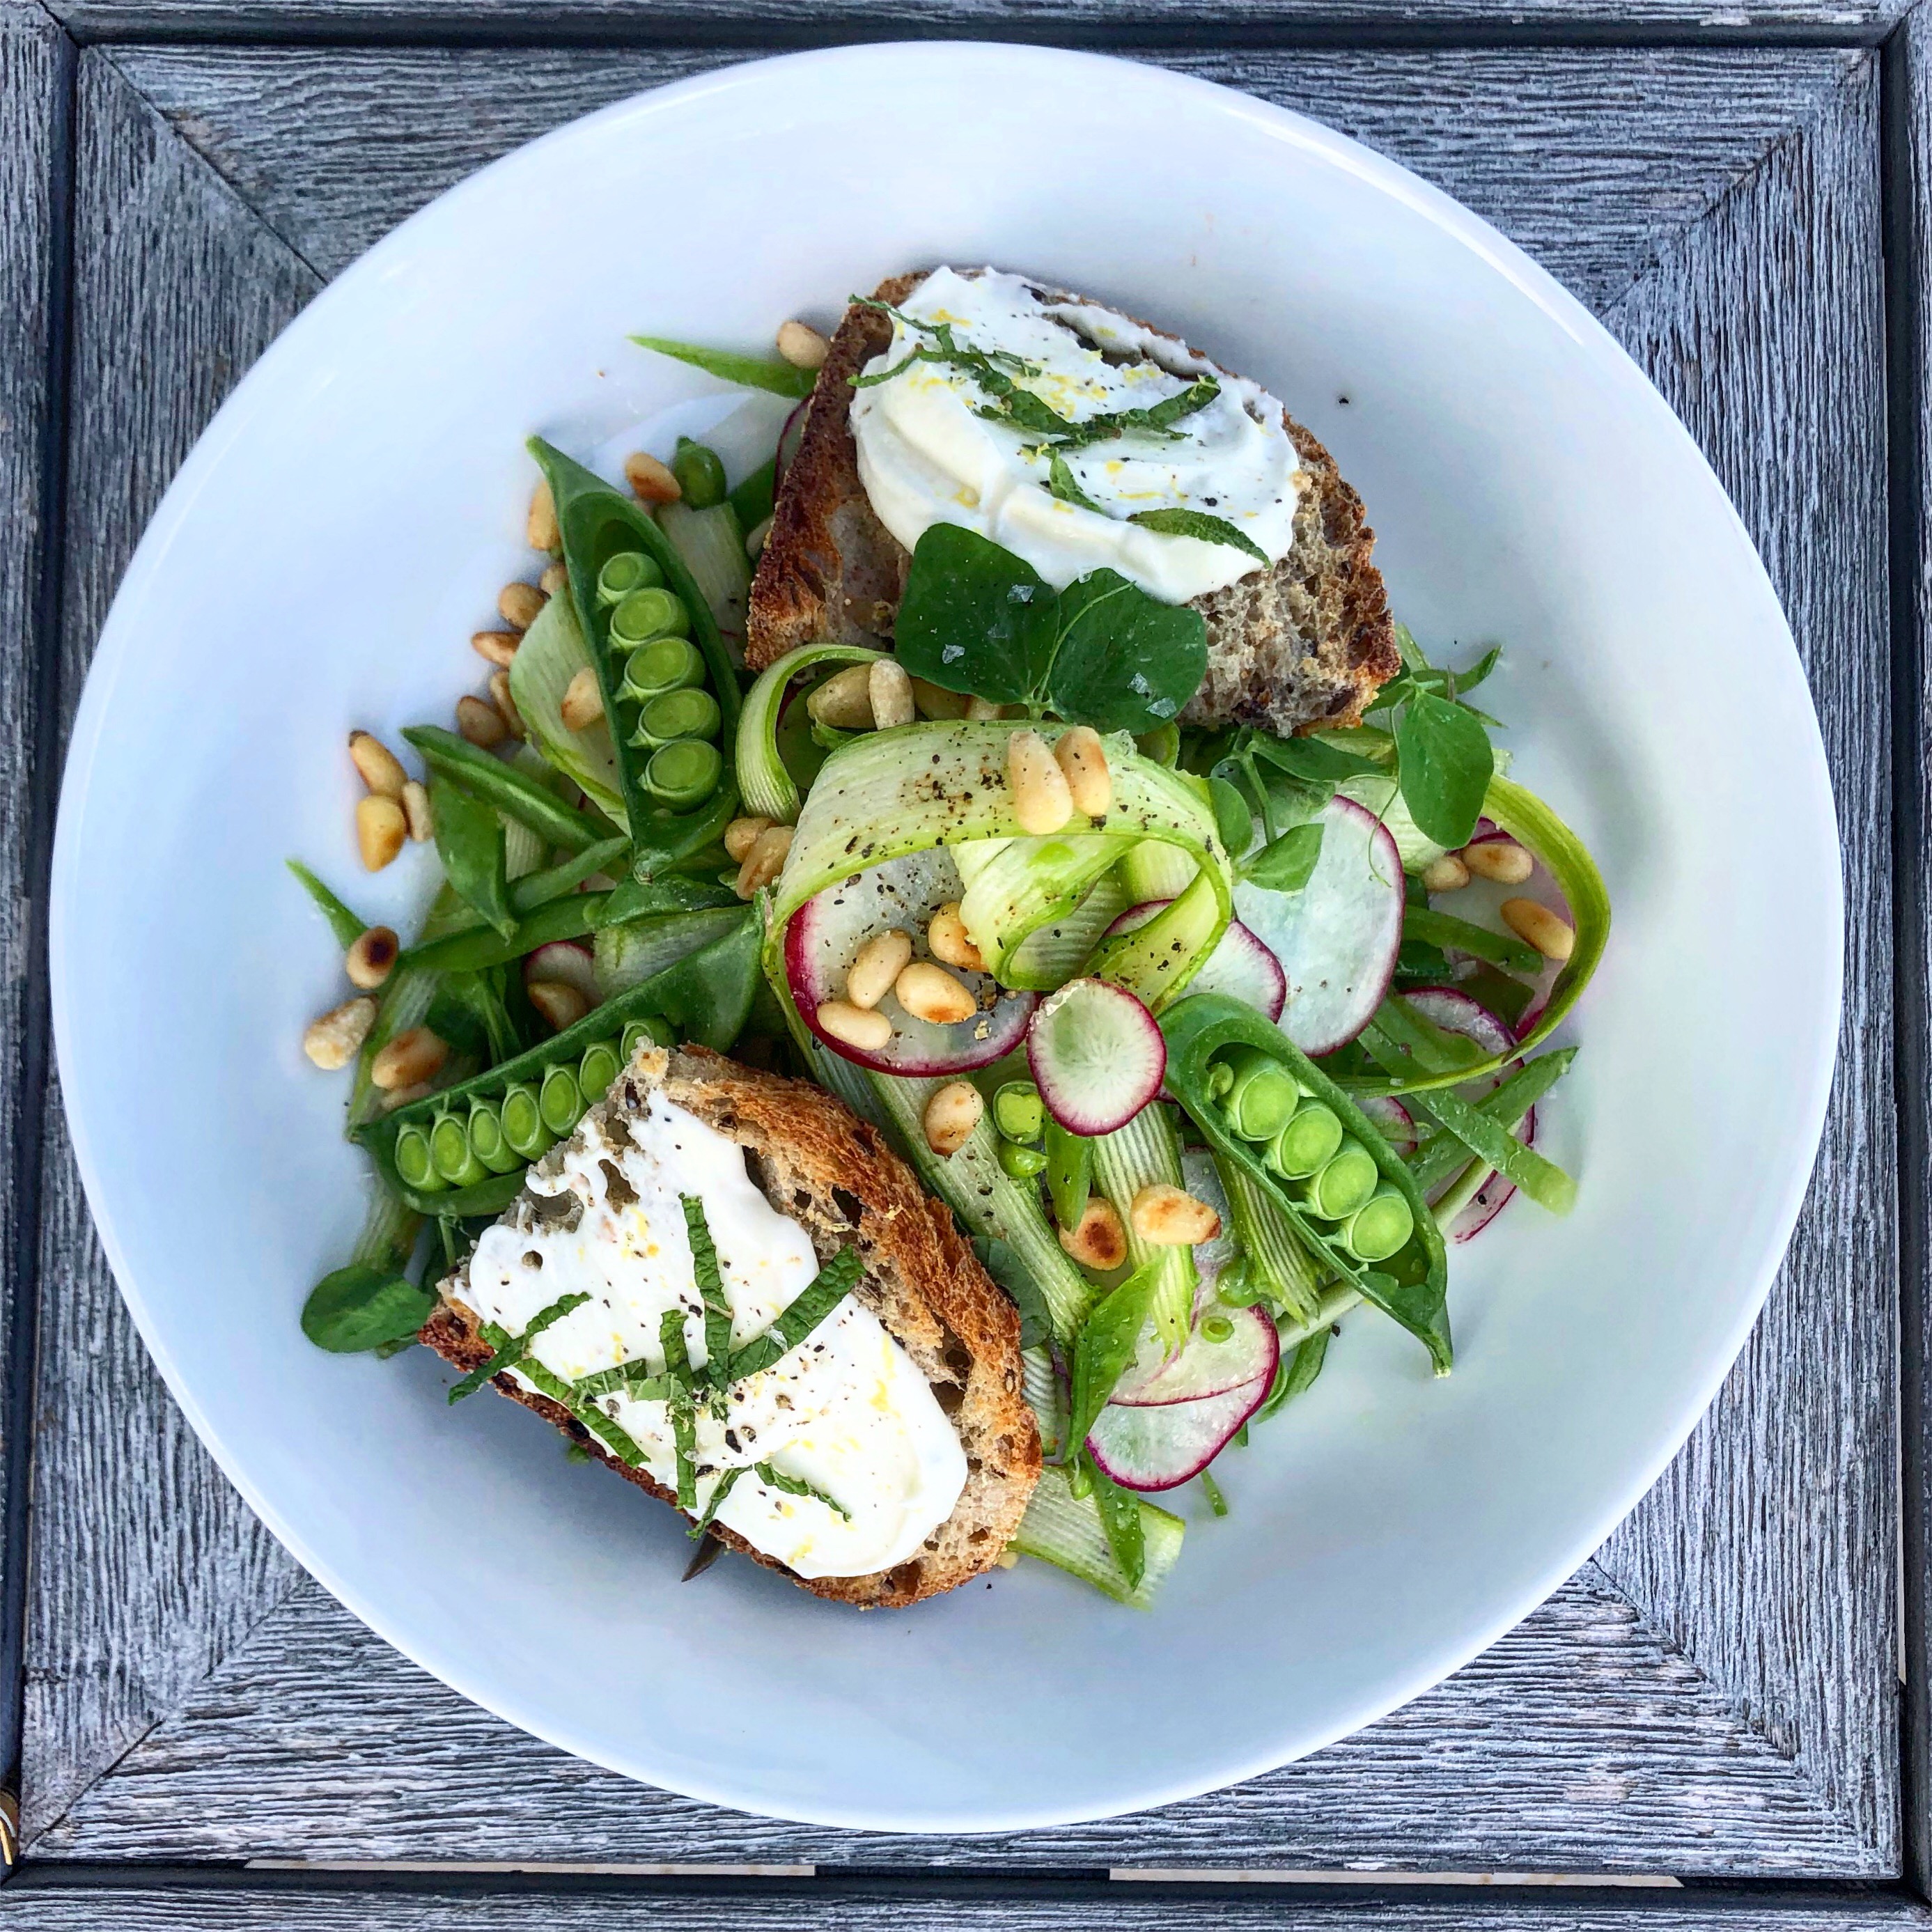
[1125, 662]
[1106, 1345]
[1120, 1517]
[1445, 765]
[1203, 528]
[748, 372]
[1062, 483]
[347, 926]
[361, 1307]
[975, 618]
[1312, 760]
[1287, 864]
[710, 1279]
[469, 842]
[1234, 822]
[1002, 1261]
[1461, 681]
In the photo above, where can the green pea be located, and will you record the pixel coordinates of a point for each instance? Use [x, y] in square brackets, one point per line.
[1220, 1079]
[486, 1139]
[1018, 1112]
[1021, 1163]
[1238, 1285]
[658, 1032]
[560, 1100]
[684, 775]
[646, 614]
[629, 570]
[1262, 1096]
[414, 1162]
[449, 1149]
[665, 664]
[1345, 1183]
[1381, 1226]
[692, 712]
[1217, 1328]
[699, 475]
[1307, 1143]
[598, 1068]
[523, 1120]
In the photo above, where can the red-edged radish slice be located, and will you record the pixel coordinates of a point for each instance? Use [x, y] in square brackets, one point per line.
[569, 963]
[824, 938]
[1396, 1122]
[1492, 1197]
[1337, 939]
[1239, 965]
[1202, 1368]
[1160, 1448]
[1097, 1055]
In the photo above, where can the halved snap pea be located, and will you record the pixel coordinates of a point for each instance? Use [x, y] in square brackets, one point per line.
[665, 664]
[1307, 1143]
[486, 1139]
[414, 1162]
[1345, 1183]
[560, 1100]
[1381, 1227]
[645, 614]
[522, 1121]
[628, 570]
[691, 713]
[684, 775]
[1261, 1097]
[449, 1149]
[657, 1031]
[700, 474]
[1020, 1163]
[598, 1069]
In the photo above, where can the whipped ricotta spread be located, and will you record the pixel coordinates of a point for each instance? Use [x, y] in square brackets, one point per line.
[926, 455]
[845, 1412]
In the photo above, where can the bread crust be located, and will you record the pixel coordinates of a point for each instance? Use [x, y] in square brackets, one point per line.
[815, 1160]
[1302, 645]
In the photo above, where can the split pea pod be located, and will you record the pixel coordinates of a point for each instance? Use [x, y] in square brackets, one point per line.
[663, 665]
[646, 614]
[414, 1161]
[560, 1100]
[658, 1032]
[1070, 1173]
[515, 792]
[455, 1160]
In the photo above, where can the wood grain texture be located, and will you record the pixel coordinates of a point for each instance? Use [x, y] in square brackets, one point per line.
[240, 1716]
[140, 1583]
[1629, 146]
[1780, 1512]
[1579, 1742]
[785, 1905]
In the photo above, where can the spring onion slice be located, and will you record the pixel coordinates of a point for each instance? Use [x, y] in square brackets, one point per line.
[712, 543]
[1154, 870]
[834, 1281]
[1155, 961]
[797, 1486]
[1144, 1153]
[1066, 1530]
[347, 926]
[1039, 1383]
[511, 1350]
[768, 788]
[711, 1287]
[1028, 883]
[552, 653]
[1056, 952]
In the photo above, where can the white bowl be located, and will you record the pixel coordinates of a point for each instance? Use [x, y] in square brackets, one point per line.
[343, 525]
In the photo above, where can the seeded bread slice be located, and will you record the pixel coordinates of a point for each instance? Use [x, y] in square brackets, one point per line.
[1306, 643]
[817, 1162]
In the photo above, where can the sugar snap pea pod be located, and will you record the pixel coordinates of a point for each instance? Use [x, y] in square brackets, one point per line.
[685, 773]
[690, 712]
[1412, 1285]
[560, 1100]
[1070, 1173]
[1381, 1227]
[665, 664]
[348, 927]
[539, 888]
[1442, 928]
[1261, 1097]
[469, 842]
[628, 571]
[516, 793]
[700, 474]
[646, 614]
[1345, 1183]
[1434, 1163]
[570, 917]
[598, 1068]
[523, 1124]
[1308, 1141]
[449, 1148]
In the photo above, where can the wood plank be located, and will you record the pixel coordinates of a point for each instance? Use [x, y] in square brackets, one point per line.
[131, 1605]
[1579, 1742]
[34, 75]
[1629, 145]
[1780, 1513]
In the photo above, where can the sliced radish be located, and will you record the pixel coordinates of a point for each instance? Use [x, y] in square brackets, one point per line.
[1160, 1448]
[1396, 1122]
[1337, 939]
[1097, 1055]
[1492, 1197]
[1202, 1368]
[569, 963]
[824, 938]
[1239, 965]
[1454, 1012]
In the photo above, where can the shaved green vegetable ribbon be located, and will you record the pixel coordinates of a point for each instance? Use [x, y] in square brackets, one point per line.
[769, 790]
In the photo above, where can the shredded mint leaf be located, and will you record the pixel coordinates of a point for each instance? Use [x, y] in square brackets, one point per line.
[834, 1281]
[511, 1350]
[1157, 419]
[794, 1486]
[725, 1484]
[634, 1379]
[711, 1287]
[360, 1307]
[1286, 864]
[748, 372]
[1061, 482]
[1197, 524]
[617, 1440]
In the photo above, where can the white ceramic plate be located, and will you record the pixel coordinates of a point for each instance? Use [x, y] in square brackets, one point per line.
[343, 526]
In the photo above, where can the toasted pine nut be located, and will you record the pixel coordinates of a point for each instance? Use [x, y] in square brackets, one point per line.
[555, 578]
[380, 830]
[951, 942]
[1446, 874]
[561, 1005]
[801, 346]
[403, 1096]
[541, 527]
[929, 992]
[415, 811]
[740, 835]
[890, 691]
[382, 771]
[1165, 1217]
[982, 710]
[418, 1054]
[754, 538]
[652, 480]
[877, 967]
[844, 701]
[335, 1039]
[1501, 860]
[506, 705]
[868, 1031]
[1081, 755]
[369, 958]
[520, 605]
[582, 702]
[934, 702]
[1041, 802]
[496, 647]
[481, 722]
[1099, 1241]
[951, 1115]
[1554, 938]
[765, 860]
[1008, 1559]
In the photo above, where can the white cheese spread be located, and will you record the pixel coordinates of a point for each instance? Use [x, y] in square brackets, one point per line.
[845, 1412]
[926, 456]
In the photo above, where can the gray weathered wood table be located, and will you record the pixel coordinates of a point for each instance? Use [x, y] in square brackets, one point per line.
[1724, 1715]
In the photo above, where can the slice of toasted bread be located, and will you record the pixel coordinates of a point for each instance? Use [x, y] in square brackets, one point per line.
[1306, 643]
[817, 1162]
